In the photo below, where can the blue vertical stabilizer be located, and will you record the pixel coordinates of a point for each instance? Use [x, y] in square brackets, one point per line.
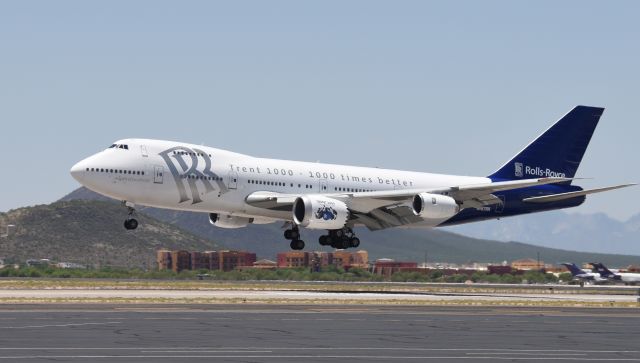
[558, 151]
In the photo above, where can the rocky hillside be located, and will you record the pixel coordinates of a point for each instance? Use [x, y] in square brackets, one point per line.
[400, 244]
[90, 233]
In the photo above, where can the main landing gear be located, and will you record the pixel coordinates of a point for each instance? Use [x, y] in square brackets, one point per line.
[293, 235]
[130, 223]
[340, 238]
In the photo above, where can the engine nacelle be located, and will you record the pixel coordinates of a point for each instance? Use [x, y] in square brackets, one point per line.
[227, 221]
[434, 206]
[318, 212]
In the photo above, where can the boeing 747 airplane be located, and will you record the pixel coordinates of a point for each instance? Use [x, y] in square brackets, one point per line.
[236, 190]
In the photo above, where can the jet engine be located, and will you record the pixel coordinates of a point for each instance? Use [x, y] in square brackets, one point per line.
[317, 212]
[227, 221]
[434, 206]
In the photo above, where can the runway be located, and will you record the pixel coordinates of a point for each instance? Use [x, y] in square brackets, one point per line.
[308, 296]
[293, 333]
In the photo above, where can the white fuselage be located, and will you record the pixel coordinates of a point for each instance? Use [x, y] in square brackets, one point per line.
[180, 176]
[629, 277]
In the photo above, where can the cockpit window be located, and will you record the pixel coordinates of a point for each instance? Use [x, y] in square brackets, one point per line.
[119, 146]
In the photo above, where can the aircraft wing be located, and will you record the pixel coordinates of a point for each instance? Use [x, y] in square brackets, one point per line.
[569, 195]
[392, 208]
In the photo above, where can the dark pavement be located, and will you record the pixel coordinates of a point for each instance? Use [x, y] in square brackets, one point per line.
[276, 333]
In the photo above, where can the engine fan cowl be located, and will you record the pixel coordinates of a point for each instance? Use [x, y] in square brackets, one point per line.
[318, 212]
[434, 206]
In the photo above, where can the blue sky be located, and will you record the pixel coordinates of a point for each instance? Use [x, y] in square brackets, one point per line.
[453, 87]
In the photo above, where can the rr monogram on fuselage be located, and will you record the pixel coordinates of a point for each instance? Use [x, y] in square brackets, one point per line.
[177, 161]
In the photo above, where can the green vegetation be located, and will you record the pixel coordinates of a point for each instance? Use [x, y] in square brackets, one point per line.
[330, 273]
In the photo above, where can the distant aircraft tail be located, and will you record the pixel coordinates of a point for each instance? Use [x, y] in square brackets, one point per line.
[573, 268]
[558, 151]
[603, 270]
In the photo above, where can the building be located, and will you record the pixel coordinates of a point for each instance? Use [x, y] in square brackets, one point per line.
[163, 257]
[323, 259]
[387, 267]
[207, 260]
[341, 258]
[200, 260]
[527, 264]
[499, 270]
[294, 259]
[230, 260]
[316, 260]
[265, 264]
[633, 268]
[346, 259]
[180, 260]
[360, 259]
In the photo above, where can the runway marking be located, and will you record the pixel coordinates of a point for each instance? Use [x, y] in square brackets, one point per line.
[196, 349]
[370, 357]
[536, 354]
[57, 325]
[206, 351]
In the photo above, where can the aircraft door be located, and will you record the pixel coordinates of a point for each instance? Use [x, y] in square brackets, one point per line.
[158, 172]
[323, 186]
[232, 182]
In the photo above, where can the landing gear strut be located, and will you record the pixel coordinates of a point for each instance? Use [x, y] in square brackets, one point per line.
[293, 235]
[340, 238]
[130, 223]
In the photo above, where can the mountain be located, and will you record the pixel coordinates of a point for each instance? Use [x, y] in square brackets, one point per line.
[400, 244]
[585, 232]
[90, 233]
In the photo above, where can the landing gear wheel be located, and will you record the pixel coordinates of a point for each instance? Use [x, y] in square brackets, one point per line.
[354, 242]
[292, 234]
[340, 238]
[131, 223]
[297, 244]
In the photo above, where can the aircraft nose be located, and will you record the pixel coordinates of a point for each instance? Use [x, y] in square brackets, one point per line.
[77, 171]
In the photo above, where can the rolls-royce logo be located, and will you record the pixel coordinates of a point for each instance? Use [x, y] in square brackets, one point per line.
[518, 170]
[326, 213]
[185, 164]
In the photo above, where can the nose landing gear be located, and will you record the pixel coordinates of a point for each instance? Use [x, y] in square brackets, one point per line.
[130, 223]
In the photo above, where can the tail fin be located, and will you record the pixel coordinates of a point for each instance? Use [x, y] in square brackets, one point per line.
[575, 270]
[558, 151]
[602, 270]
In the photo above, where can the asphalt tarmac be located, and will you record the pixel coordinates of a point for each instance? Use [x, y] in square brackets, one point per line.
[318, 333]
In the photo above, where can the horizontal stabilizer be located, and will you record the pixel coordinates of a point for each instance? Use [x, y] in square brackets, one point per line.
[563, 196]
